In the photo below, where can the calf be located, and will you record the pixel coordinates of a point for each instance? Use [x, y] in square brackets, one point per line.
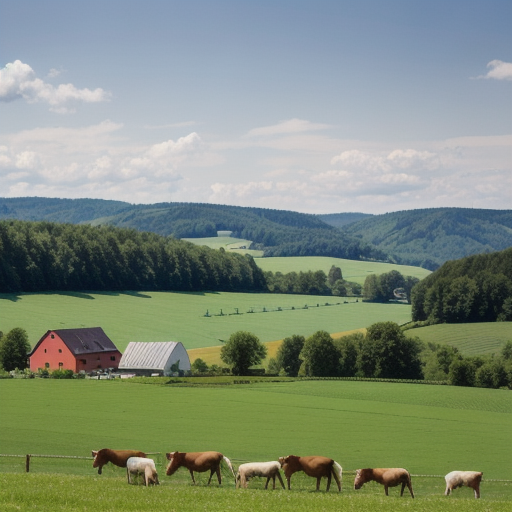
[265, 469]
[459, 478]
[142, 466]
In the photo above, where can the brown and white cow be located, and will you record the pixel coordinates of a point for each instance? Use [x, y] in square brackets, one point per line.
[315, 466]
[459, 478]
[388, 477]
[117, 457]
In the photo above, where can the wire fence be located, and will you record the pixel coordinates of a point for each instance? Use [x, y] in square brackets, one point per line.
[27, 465]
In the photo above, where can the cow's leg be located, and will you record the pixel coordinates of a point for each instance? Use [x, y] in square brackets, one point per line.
[288, 480]
[402, 489]
[280, 479]
[386, 489]
[328, 481]
[192, 475]
[337, 480]
[409, 485]
[318, 483]
[274, 482]
[447, 491]
[266, 483]
[219, 477]
[476, 488]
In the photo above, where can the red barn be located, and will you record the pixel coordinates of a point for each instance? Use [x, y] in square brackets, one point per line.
[75, 349]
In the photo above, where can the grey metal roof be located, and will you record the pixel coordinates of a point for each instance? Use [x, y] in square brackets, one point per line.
[150, 355]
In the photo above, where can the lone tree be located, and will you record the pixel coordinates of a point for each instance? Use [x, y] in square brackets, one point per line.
[242, 350]
[14, 349]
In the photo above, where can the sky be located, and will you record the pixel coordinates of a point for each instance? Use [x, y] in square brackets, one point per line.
[321, 106]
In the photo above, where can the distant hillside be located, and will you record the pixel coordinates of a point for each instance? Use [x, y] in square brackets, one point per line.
[339, 220]
[429, 237]
[425, 238]
[276, 232]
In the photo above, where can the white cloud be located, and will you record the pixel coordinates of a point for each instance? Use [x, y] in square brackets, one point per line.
[287, 127]
[499, 70]
[18, 80]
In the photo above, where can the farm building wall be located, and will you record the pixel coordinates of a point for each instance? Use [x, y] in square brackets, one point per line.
[52, 353]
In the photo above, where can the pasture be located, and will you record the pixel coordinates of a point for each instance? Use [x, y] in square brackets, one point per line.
[469, 339]
[160, 316]
[430, 430]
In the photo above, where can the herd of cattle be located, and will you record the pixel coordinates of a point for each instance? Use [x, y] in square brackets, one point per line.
[137, 464]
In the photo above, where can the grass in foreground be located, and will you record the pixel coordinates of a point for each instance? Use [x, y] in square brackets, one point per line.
[50, 493]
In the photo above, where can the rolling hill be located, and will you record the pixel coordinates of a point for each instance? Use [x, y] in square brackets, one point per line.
[425, 238]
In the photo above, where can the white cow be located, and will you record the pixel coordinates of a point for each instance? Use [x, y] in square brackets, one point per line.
[459, 478]
[266, 469]
[141, 466]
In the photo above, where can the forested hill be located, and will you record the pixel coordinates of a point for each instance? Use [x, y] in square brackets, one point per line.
[42, 256]
[473, 289]
[425, 238]
[276, 232]
[429, 237]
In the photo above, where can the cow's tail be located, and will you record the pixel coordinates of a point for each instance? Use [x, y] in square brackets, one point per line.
[228, 462]
[339, 471]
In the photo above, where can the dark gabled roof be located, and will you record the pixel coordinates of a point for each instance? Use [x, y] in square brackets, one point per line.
[89, 340]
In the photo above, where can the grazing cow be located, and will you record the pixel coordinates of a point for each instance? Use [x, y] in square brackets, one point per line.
[459, 478]
[265, 469]
[142, 466]
[314, 466]
[117, 457]
[197, 461]
[388, 477]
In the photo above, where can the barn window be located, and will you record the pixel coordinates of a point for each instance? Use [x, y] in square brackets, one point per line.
[112, 358]
[83, 361]
[52, 336]
[47, 365]
[45, 351]
[60, 351]
[61, 364]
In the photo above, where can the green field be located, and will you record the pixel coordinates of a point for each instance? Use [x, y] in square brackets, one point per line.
[228, 243]
[160, 316]
[430, 430]
[352, 270]
[469, 339]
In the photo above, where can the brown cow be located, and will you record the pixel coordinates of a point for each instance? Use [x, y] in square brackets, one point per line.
[388, 477]
[197, 461]
[314, 466]
[459, 478]
[117, 457]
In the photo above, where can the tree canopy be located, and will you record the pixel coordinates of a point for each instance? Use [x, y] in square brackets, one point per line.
[241, 351]
[14, 349]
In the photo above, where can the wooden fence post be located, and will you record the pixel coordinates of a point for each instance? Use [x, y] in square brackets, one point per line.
[27, 463]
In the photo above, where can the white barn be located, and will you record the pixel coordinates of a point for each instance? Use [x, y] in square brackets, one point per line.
[146, 358]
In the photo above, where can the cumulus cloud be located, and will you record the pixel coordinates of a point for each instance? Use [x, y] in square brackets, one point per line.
[499, 70]
[18, 81]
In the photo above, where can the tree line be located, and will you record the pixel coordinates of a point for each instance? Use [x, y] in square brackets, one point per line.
[386, 352]
[41, 256]
[388, 286]
[312, 283]
[473, 289]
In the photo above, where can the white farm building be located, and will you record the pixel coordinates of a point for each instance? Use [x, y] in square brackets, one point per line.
[147, 358]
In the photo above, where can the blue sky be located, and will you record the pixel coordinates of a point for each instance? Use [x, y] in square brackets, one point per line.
[312, 106]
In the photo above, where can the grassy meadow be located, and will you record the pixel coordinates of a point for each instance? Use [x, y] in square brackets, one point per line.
[469, 339]
[160, 316]
[430, 430]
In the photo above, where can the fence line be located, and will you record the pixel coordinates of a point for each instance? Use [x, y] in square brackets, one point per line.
[27, 458]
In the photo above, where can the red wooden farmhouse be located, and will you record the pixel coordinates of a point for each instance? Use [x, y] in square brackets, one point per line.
[75, 349]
